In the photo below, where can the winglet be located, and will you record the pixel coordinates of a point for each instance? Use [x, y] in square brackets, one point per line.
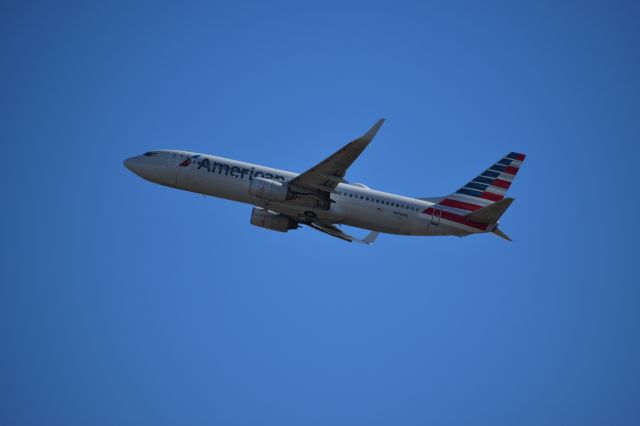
[369, 239]
[372, 131]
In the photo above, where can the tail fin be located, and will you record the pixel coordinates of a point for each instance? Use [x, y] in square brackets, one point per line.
[487, 189]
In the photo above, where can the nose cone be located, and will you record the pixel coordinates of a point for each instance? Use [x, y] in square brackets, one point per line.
[132, 164]
[152, 168]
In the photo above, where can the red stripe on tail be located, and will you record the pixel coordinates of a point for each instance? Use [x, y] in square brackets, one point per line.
[458, 219]
[460, 205]
[511, 170]
[501, 183]
[491, 196]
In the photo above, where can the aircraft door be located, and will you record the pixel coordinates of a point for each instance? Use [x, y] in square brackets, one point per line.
[436, 214]
[172, 160]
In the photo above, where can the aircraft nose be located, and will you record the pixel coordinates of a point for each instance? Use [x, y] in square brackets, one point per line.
[132, 164]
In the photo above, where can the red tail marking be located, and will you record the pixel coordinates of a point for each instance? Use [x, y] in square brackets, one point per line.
[511, 170]
[501, 183]
[460, 205]
[491, 196]
[458, 219]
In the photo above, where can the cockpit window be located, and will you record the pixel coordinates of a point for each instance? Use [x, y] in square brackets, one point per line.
[163, 154]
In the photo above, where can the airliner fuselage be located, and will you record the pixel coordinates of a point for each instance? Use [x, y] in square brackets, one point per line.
[352, 204]
[321, 198]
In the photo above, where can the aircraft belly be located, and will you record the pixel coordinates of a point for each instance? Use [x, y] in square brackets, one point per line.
[373, 219]
[379, 219]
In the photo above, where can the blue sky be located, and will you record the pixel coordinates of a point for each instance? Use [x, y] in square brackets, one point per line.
[127, 303]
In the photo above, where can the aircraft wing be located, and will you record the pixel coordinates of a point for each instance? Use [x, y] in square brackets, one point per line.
[322, 179]
[336, 232]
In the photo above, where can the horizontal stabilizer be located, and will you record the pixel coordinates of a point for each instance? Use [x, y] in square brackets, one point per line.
[491, 213]
[501, 234]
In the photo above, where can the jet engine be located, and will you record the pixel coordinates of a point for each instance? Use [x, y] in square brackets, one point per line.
[268, 189]
[274, 221]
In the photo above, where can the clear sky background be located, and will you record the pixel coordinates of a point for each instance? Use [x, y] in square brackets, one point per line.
[123, 302]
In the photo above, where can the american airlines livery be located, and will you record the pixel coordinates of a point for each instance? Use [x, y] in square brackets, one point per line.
[321, 198]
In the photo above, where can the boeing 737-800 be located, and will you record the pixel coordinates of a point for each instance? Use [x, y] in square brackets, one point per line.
[321, 198]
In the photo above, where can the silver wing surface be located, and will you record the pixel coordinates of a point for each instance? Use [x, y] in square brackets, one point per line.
[321, 180]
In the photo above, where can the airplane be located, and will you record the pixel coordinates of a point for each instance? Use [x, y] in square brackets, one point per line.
[321, 198]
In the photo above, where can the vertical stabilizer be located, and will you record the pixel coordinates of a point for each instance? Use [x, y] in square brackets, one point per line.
[480, 203]
[487, 188]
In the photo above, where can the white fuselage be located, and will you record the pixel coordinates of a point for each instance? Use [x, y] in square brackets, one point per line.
[352, 204]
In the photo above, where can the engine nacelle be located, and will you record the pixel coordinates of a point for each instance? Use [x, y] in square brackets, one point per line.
[268, 189]
[274, 221]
